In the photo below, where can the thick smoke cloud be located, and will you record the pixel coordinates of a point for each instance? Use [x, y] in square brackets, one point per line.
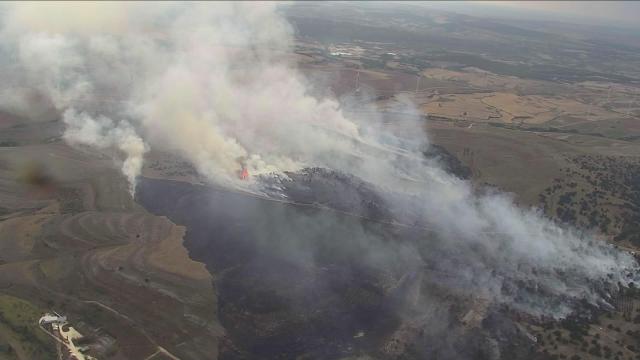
[212, 82]
[207, 81]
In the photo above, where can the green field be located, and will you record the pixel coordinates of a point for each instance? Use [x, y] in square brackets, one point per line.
[20, 335]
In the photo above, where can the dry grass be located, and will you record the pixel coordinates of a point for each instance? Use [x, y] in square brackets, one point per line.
[462, 106]
[171, 256]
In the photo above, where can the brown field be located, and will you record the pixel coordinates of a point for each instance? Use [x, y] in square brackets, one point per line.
[84, 248]
[468, 107]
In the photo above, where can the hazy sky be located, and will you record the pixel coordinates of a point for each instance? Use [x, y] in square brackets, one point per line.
[604, 11]
[614, 13]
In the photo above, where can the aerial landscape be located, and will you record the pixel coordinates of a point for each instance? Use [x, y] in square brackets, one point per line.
[319, 180]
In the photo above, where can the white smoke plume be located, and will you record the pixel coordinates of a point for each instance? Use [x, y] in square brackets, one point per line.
[212, 83]
[102, 133]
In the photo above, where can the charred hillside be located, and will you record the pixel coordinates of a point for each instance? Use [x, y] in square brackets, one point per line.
[295, 280]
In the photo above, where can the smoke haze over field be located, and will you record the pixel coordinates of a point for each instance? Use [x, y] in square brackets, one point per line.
[211, 82]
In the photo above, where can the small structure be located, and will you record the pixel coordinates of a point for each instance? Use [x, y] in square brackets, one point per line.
[56, 326]
[53, 319]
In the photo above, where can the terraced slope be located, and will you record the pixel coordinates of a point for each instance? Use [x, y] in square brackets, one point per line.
[79, 245]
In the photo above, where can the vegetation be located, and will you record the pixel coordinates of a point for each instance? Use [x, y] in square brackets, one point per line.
[599, 192]
[20, 319]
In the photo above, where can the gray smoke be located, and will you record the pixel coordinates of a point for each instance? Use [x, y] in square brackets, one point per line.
[213, 83]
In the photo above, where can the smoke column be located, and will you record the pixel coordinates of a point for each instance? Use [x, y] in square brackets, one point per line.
[102, 133]
[213, 83]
